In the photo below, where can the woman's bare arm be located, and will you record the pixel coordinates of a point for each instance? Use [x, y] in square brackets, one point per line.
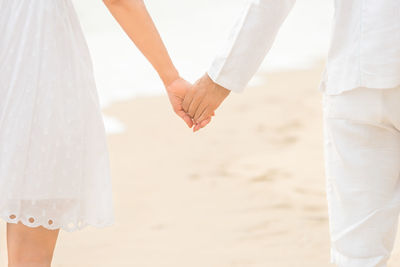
[133, 17]
[135, 20]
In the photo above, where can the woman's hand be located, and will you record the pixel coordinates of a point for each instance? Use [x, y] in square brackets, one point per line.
[134, 18]
[176, 92]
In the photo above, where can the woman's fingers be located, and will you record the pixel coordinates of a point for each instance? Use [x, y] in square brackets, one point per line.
[188, 120]
[196, 128]
[202, 124]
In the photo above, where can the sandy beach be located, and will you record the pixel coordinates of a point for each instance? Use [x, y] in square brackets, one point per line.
[248, 191]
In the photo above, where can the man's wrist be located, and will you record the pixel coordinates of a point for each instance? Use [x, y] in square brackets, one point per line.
[224, 90]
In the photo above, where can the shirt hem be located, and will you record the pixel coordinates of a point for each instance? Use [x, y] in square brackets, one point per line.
[373, 82]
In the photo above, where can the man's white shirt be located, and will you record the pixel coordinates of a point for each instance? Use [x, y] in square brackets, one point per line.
[364, 49]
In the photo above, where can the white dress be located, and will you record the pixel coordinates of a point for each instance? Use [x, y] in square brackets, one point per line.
[54, 164]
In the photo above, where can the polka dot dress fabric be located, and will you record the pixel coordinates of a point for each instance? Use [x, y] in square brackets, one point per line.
[54, 164]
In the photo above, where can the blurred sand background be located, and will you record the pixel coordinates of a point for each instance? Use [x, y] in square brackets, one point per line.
[249, 190]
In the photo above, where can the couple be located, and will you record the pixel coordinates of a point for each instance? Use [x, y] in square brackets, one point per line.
[54, 169]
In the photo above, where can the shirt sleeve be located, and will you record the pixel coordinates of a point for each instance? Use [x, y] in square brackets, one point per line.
[250, 40]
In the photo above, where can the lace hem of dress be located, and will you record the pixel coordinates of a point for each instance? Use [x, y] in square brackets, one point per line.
[51, 224]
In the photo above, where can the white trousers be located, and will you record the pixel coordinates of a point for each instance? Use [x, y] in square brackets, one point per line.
[362, 163]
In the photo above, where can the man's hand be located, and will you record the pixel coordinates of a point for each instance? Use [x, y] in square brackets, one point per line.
[176, 93]
[202, 100]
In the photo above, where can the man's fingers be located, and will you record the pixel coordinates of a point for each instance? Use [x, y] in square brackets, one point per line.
[205, 122]
[205, 115]
[198, 97]
[200, 110]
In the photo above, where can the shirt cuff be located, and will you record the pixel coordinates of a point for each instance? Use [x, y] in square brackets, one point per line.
[225, 81]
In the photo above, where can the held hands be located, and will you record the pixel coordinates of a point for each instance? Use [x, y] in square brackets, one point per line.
[202, 100]
[196, 104]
